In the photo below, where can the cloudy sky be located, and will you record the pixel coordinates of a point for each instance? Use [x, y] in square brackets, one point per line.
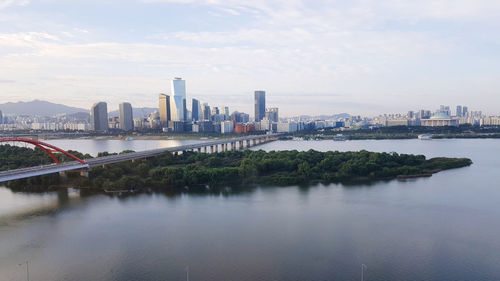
[311, 57]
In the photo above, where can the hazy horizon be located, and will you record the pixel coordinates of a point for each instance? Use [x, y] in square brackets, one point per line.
[311, 58]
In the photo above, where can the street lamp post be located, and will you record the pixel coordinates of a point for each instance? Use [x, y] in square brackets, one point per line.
[27, 270]
[363, 267]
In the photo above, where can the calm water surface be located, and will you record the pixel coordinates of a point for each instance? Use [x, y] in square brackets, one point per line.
[446, 227]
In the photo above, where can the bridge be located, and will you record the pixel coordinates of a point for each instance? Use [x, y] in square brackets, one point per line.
[84, 165]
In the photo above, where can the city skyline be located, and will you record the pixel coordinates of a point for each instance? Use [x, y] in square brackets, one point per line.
[315, 58]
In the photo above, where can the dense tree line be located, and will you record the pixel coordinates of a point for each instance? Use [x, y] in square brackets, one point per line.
[237, 168]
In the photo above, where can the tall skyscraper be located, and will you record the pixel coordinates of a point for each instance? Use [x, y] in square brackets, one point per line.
[1, 117]
[195, 110]
[99, 117]
[126, 116]
[459, 110]
[226, 113]
[164, 108]
[178, 100]
[465, 111]
[206, 112]
[272, 114]
[260, 105]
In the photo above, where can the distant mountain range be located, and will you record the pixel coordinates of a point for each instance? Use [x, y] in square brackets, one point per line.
[45, 108]
[38, 107]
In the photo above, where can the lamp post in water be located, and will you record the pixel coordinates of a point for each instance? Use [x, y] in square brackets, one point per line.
[363, 267]
[27, 270]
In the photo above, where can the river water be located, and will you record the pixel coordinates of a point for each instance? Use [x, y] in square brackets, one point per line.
[444, 228]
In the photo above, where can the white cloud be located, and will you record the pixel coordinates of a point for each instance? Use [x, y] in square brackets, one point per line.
[4, 4]
[341, 51]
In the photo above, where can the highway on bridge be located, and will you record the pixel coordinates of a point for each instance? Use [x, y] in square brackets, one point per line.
[105, 160]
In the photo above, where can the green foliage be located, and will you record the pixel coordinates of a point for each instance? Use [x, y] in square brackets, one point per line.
[273, 168]
[234, 168]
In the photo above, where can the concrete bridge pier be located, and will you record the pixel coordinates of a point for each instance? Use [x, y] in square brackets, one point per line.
[84, 173]
[241, 145]
[199, 149]
[254, 142]
[225, 147]
[233, 146]
[248, 143]
[63, 175]
[216, 148]
[211, 149]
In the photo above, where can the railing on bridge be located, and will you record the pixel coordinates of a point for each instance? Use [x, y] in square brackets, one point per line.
[79, 164]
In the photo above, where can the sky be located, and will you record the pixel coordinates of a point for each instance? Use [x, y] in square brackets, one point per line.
[311, 57]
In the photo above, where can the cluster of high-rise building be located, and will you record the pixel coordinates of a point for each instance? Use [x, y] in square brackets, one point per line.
[173, 115]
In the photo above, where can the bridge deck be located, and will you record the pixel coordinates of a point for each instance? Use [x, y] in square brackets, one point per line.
[74, 165]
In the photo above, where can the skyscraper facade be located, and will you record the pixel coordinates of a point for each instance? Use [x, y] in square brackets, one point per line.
[272, 114]
[178, 100]
[206, 112]
[126, 116]
[459, 110]
[99, 117]
[164, 108]
[260, 105]
[1, 117]
[195, 110]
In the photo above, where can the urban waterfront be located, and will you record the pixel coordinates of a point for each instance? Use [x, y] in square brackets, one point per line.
[438, 228]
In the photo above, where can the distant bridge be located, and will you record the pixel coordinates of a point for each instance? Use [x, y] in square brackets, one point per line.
[83, 165]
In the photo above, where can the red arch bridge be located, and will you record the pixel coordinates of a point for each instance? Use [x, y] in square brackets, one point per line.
[84, 165]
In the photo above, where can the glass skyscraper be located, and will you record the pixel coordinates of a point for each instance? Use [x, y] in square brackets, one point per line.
[126, 117]
[260, 105]
[178, 100]
[99, 117]
[164, 107]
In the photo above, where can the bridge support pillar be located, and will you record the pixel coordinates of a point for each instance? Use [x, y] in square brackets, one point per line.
[63, 175]
[254, 142]
[84, 173]
[216, 148]
[225, 147]
[248, 143]
[211, 149]
[199, 149]
[233, 146]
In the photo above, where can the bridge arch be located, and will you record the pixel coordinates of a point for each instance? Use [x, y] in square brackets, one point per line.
[48, 148]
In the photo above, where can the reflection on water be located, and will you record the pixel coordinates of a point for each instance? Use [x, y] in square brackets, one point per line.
[439, 228]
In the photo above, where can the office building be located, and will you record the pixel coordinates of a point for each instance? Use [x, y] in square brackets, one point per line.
[99, 117]
[1, 117]
[196, 110]
[178, 100]
[226, 127]
[459, 111]
[226, 113]
[465, 111]
[260, 105]
[215, 110]
[272, 114]
[206, 112]
[126, 116]
[164, 108]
